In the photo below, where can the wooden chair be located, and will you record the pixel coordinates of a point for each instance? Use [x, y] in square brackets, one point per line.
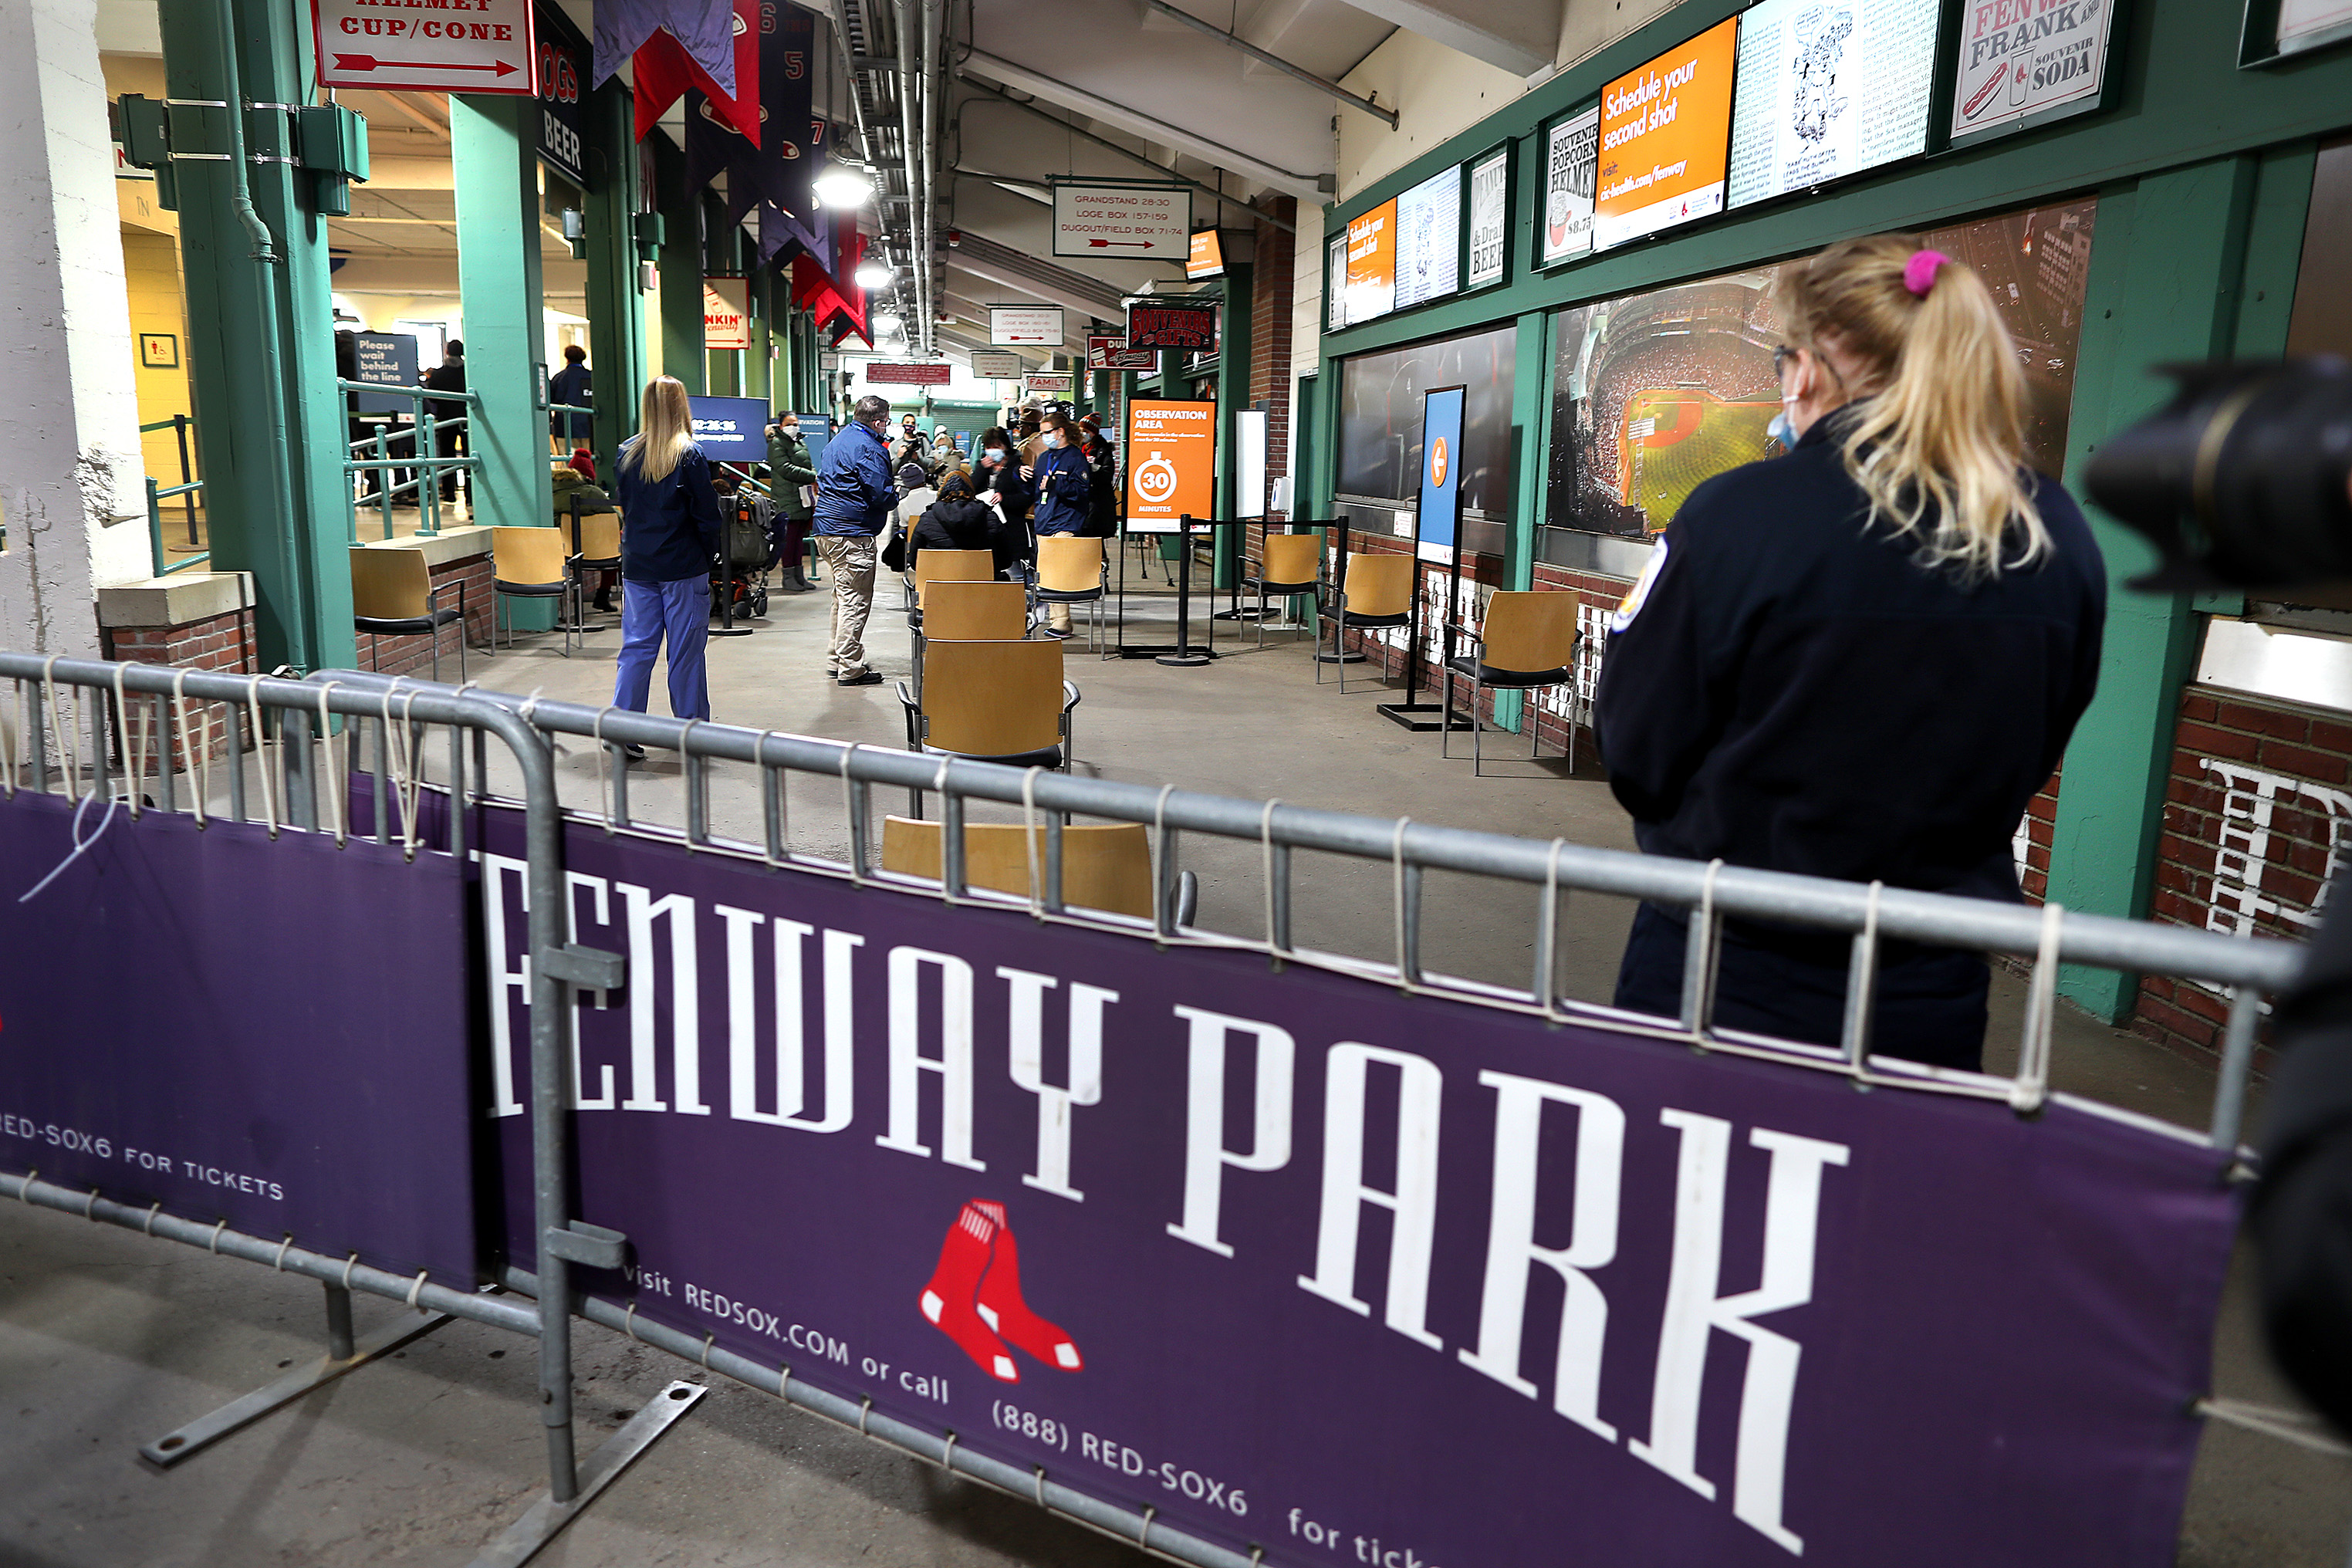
[1071, 571]
[1103, 867]
[936, 566]
[1374, 590]
[1528, 642]
[527, 563]
[969, 612]
[1287, 564]
[594, 537]
[993, 701]
[393, 596]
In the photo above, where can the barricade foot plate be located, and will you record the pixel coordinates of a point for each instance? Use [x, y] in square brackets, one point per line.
[211, 1427]
[525, 1537]
[1414, 715]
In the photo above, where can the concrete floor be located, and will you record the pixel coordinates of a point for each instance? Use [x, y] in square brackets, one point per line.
[107, 1341]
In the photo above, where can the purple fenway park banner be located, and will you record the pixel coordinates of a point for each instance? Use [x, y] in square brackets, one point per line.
[1357, 1278]
[268, 1033]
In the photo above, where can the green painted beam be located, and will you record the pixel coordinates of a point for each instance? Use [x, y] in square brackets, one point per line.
[1233, 397]
[494, 164]
[1530, 426]
[616, 306]
[681, 267]
[2167, 260]
[271, 427]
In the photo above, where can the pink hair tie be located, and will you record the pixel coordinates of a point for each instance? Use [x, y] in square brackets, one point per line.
[1919, 273]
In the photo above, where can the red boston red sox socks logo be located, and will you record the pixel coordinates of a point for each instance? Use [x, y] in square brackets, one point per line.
[974, 1298]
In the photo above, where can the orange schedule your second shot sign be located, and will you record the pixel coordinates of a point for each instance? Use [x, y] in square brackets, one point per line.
[1665, 139]
[1171, 464]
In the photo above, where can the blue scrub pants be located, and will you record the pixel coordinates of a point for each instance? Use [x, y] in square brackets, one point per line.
[651, 612]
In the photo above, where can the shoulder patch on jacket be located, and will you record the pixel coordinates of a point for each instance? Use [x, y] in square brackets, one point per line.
[1638, 594]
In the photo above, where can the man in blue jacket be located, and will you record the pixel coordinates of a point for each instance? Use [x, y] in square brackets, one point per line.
[855, 498]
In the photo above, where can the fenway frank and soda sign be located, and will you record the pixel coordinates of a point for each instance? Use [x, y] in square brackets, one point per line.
[1311, 1267]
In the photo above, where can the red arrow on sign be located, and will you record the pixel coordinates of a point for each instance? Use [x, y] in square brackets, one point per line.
[1025, 338]
[369, 63]
[1139, 244]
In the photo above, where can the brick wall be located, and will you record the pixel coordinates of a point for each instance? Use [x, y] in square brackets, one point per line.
[1271, 289]
[2258, 811]
[223, 642]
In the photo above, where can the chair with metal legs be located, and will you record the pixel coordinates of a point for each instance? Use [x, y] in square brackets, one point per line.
[393, 596]
[1373, 592]
[528, 563]
[1288, 564]
[1527, 642]
[1103, 867]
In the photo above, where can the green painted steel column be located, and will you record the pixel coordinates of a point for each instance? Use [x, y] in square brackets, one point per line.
[2167, 263]
[757, 382]
[616, 304]
[1233, 397]
[681, 268]
[494, 162]
[1531, 422]
[270, 428]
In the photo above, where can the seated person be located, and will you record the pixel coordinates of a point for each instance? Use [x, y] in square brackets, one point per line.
[956, 521]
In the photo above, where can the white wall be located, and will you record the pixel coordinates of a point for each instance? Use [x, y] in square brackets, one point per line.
[72, 488]
[1437, 93]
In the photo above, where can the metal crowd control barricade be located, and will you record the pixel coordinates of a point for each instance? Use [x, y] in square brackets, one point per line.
[1871, 916]
[425, 466]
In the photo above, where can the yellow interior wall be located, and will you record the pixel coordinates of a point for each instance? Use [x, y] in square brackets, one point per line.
[150, 265]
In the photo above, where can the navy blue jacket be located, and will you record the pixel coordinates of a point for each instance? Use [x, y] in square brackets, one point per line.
[855, 495]
[669, 526]
[1059, 476]
[1790, 690]
[570, 384]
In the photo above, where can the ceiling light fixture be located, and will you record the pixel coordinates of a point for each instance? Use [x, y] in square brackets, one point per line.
[842, 186]
[873, 274]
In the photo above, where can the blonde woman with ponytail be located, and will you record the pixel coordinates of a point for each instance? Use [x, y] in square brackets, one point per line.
[1860, 659]
[670, 538]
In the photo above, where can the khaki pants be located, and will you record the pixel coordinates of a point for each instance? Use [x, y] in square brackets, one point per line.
[851, 559]
[1057, 615]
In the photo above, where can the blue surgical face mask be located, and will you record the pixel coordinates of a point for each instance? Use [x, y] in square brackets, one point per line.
[1782, 429]
[996, 454]
[1053, 439]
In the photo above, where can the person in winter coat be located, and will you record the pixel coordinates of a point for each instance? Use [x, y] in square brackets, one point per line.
[1062, 481]
[449, 376]
[959, 520]
[570, 384]
[1859, 660]
[792, 480]
[855, 498]
[669, 537]
[996, 481]
[1102, 478]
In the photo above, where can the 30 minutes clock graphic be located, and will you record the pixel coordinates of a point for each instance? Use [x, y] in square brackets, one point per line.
[1155, 478]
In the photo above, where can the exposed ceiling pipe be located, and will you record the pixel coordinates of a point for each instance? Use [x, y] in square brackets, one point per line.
[1297, 73]
[906, 21]
[1159, 170]
[934, 124]
[857, 112]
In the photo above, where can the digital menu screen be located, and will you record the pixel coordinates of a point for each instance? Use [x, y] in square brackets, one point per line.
[1828, 88]
[1429, 239]
[1665, 139]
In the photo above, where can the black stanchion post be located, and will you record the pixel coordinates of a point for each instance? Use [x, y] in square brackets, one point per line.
[1186, 656]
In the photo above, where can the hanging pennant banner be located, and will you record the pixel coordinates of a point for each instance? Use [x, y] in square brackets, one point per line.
[488, 48]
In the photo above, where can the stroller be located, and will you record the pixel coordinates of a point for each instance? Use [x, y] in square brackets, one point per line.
[740, 591]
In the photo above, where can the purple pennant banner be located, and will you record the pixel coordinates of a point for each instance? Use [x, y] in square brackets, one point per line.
[268, 1032]
[1356, 1277]
[705, 28]
[779, 169]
